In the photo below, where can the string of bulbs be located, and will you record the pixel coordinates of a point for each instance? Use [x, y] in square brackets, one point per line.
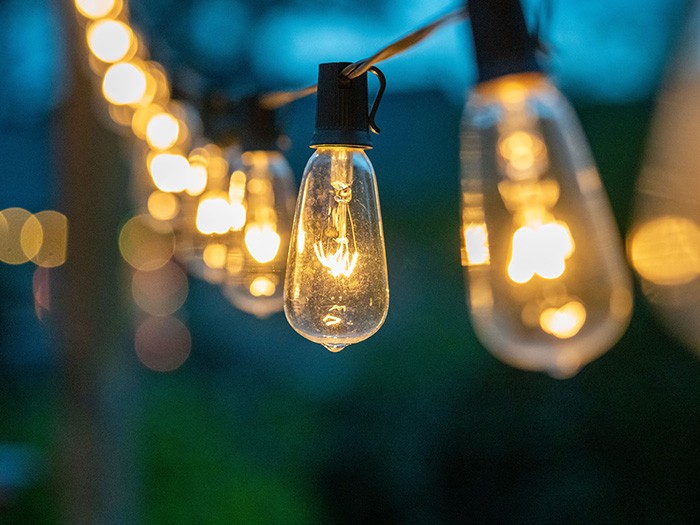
[548, 286]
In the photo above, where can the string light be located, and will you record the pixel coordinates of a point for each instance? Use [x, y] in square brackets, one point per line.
[336, 289]
[548, 286]
[525, 203]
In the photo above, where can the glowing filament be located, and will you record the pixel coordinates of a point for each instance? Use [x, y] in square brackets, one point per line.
[262, 287]
[213, 215]
[564, 322]
[339, 253]
[540, 250]
[262, 241]
[476, 243]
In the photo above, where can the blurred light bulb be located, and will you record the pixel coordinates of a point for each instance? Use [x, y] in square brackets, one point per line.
[548, 287]
[110, 40]
[262, 196]
[162, 131]
[96, 8]
[213, 214]
[124, 83]
[170, 172]
[336, 290]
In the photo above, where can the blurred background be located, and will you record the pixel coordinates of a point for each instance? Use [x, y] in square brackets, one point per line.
[237, 419]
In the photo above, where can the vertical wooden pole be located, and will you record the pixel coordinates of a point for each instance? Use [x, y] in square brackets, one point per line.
[96, 376]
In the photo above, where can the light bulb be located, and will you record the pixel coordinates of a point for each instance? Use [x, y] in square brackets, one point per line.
[336, 291]
[548, 285]
[262, 196]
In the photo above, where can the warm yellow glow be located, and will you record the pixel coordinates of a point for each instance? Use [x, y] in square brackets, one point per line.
[238, 216]
[666, 250]
[215, 255]
[170, 172]
[563, 322]
[95, 8]
[262, 241]
[522, 150]
[540, 250]
[197, 181]
[262, 287]
[110, 40]
[163, 206]
[146, 244]
[338, 252]
[12, 222]
[162, 131]
[476, 242]
[124, 84]
[44, 239]
[213, 214]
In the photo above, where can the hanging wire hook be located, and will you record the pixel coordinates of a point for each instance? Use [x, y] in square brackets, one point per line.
[375, 106]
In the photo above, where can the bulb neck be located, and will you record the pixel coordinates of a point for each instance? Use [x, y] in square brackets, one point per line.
[502, 43]
[341, 109]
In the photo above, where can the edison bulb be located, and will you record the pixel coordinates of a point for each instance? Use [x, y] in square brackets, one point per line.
[548, 287]
[336, 290]
[262, 197]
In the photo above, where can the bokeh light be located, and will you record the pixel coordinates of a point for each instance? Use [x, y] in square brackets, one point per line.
[110, 40]
[146, 244]
[124, 83]
[162, 131]
[12, 221]
[163, 206]
[98, 8]
[45, 239]
[162, 344]
[170, 172]
[160, 292]
[214, 214]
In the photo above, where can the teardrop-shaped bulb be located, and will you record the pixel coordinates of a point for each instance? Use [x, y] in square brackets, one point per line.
[203, 227]
[336, 289]
[262, 196]
[548, 287]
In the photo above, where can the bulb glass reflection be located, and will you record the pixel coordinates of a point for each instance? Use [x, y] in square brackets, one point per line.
[261, 196]
[336, 290]
[548, 288]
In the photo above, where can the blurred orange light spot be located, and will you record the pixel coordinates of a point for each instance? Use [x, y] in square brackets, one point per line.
[160, 292]
[162, 344]
[163, 206]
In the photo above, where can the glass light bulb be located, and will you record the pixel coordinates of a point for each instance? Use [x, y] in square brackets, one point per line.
[262, 195]
[548, 288]
[336, 290]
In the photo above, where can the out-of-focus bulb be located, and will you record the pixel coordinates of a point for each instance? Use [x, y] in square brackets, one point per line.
[213, 214]
[162, 131]
[548, 286]
[124, 84]
[97, 8]
[262, 196]
[336, 290]
[170, 172]
[110, 40]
